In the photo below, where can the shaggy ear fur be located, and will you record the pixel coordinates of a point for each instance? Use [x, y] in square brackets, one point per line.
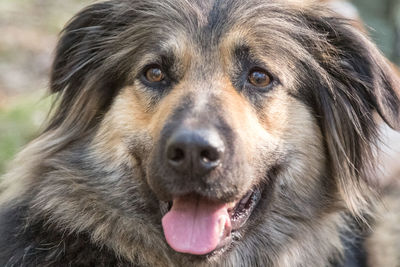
[356, 81]
[371, 73]
[86, 74]
[77, 53]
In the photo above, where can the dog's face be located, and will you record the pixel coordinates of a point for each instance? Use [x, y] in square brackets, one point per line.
[212, 119]
[242, 121]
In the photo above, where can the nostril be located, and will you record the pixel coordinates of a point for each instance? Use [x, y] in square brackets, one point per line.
[209, 156]
[176, 154]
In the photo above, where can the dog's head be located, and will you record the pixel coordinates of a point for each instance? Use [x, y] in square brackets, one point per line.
[234, 114]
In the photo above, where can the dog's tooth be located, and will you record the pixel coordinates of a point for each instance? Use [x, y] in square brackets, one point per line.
[246, 198]
[231, 205]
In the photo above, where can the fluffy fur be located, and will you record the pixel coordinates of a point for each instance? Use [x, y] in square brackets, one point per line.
[86, 192]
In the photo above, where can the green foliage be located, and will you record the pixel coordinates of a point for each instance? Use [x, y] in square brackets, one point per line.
[383, 21]
[19, 123]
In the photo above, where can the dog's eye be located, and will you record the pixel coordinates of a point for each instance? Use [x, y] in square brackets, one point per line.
[154, 74]
[259, 78]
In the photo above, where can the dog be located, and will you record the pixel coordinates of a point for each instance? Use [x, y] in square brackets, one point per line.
[205, 133]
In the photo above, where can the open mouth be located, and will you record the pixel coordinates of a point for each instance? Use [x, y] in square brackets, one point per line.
[199, 226]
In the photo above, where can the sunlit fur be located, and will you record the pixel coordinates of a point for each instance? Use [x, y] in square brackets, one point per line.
[86, 192]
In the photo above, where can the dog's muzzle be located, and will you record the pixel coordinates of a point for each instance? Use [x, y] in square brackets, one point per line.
[203, 189]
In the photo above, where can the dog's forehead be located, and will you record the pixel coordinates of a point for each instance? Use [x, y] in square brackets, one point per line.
[206, 23]
[208, 33]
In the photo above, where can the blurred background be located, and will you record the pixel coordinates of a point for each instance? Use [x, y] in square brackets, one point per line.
[28, 35]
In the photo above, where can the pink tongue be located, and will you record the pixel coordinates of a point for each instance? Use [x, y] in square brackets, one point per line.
[196, 226]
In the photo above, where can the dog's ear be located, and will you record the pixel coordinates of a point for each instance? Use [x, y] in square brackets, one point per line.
[80, 50]
[84, 74]
[356, 81]
[361, 65]
[374, 69]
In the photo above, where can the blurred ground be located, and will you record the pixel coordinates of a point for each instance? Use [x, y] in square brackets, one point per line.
[28, 34]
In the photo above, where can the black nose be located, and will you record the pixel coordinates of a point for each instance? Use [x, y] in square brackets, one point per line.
[195, 152]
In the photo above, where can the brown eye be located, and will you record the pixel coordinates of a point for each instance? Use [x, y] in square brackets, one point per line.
[259, 78]
[154, 75]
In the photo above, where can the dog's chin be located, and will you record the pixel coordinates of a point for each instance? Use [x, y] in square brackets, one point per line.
[194, 225]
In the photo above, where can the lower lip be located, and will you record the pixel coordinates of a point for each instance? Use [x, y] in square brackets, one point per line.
[244, 208]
